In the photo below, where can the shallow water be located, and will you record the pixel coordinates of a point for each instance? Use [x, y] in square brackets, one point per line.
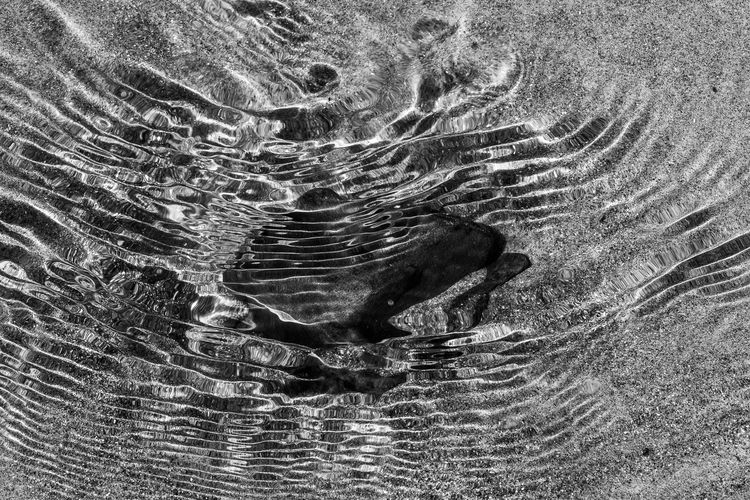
[323, 250]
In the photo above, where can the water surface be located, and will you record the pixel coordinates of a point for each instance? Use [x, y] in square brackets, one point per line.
[324, 250]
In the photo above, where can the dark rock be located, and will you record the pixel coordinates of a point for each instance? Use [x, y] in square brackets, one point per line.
[351, 278]
[321, 76]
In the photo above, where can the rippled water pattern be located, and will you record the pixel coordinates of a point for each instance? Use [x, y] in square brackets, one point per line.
[199, 201]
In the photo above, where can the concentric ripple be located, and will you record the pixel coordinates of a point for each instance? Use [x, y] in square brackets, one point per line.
[240, 259]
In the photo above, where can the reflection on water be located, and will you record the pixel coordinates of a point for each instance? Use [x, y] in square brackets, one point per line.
[241, 256]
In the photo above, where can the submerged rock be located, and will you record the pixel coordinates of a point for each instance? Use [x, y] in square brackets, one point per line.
[317, 281]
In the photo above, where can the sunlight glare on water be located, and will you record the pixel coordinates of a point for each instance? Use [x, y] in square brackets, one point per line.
[261, 249]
